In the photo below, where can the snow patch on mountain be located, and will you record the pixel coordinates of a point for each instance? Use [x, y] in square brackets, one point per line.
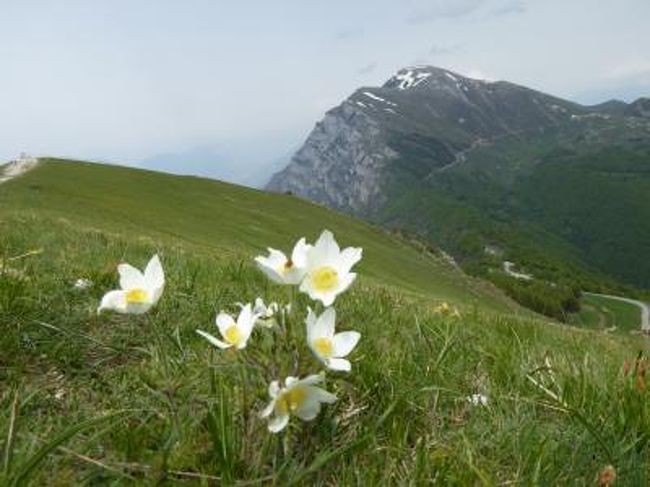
[378, 98]
[409, 78]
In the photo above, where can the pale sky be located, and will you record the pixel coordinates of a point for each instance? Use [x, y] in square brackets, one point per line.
[237, 86]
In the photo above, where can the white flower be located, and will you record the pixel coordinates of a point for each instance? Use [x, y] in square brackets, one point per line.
[82, 284]
[139, 292]
[235, 334]
[266, 314]
[282, 270]
[299, 397]
[328, 347]
[328, 269]
[477, 400]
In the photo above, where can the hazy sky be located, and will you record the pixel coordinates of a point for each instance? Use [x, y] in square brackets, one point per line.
[240, 84]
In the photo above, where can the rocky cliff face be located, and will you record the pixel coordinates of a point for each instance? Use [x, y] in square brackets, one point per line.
[341, 163]
[419, 121]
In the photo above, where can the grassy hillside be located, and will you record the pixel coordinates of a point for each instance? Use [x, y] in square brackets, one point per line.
[121, 400]
[579, 194]
[569, 204]
[602, 313]
[227, 221]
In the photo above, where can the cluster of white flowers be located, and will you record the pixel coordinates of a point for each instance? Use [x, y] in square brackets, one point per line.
[322, 271]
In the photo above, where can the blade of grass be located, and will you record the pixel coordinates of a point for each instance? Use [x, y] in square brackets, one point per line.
[21, 476]
[9, 443]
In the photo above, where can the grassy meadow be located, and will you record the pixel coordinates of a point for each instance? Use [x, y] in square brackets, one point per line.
[109, 399]
[602, 313]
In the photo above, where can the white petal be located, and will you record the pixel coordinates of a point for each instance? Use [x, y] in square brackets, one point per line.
[266, 412]
[307, 381]
[348, 258]
[155, 294]
[290, 381]
[113, 300]
[309, 409]
[345, 342]
[310, 323]
[259, 306]
[347, 280]
[325, 324]
[216, 342]
[278, 423]
[328, 249]
[274, 389]
[271, 272]
[326, 298]
[294, 276]
[339, 364]
[276, 258]
[246, 321]
[322, 395]
[272, 265]
[138, 308]
[299, 254]
[130, 277]
[224, 321]
[154, 275]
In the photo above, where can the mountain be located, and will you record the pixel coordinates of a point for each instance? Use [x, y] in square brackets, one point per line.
[639, 108]
[560, 188]
[432, 398]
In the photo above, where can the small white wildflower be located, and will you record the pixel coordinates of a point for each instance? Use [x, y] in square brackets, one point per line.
[282, 270]
[82, 284]
[235, 333]
[139, 291]
[266, 314]
[478, 400]
[328, 347]
[299, 397]
[328, 269]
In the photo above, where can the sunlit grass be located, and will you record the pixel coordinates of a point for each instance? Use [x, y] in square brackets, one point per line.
[114, 399]
[602, 313]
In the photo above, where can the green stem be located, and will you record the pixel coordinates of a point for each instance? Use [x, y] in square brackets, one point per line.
[161, 345]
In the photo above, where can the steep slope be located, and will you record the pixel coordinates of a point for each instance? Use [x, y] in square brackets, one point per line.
[225, 219]
[470, 164]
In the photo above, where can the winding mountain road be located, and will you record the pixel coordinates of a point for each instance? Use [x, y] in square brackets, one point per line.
[645, 308]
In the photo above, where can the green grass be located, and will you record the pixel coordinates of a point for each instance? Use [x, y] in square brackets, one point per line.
[226, 221]
[569, 204]
[121, 400]
[599, 312]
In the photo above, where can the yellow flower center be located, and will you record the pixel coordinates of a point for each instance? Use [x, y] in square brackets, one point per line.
[325, 279]
[324, 347]
[136, 296]
[291, 400]
[233, 335]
